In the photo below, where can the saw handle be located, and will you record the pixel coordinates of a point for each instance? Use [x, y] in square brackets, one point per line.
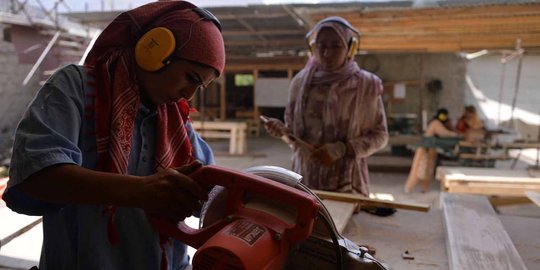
[238, 183]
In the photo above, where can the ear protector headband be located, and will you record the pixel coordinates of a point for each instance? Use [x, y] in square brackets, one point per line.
[154, 49]
[353, 42]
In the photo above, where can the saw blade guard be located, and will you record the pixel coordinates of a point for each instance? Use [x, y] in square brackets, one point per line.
[346, 254]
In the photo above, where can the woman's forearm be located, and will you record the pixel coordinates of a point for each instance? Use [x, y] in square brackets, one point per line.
[68, 183]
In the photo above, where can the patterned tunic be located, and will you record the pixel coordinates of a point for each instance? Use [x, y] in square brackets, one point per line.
[349, 110]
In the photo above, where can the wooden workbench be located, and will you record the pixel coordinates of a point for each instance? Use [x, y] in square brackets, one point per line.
[232, 130]
[423, 235]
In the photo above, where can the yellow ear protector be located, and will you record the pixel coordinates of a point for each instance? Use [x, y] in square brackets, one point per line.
[442, 117]
[353, 42]
[155, 48]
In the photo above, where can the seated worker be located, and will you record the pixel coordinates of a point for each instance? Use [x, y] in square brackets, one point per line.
[98, 149]
[470, 126]
[425, 158]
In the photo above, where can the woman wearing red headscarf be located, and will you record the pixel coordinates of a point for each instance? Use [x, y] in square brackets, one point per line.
[336, 107]
[94, 152]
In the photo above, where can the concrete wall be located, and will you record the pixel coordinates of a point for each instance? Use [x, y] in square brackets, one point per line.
[465, 82]
[485, 77]
[13, 97]
[417, 69]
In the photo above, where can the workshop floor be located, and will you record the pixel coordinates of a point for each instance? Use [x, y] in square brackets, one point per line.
[387, 173]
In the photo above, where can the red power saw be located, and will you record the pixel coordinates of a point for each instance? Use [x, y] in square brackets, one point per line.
[265, 218]
[253, 232]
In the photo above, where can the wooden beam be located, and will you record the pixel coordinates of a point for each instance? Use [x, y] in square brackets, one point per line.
[14, 225]
[251, 29]
[354, 198]
[497, 201]
[475, 237]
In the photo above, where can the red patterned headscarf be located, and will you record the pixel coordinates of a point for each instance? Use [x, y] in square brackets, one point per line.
[112, 63]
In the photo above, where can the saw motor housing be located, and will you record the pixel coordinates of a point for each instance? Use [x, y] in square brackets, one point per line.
[261, 220]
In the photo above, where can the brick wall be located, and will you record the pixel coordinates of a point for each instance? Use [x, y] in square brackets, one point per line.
[13, 97]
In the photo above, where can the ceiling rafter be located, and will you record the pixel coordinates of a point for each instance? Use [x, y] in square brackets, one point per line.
[251, 29]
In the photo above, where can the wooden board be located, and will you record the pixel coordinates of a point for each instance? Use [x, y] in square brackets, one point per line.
[475, 237]
[485, 175]
[355, 198]
[12, 224]
[486, 181]
[341, 212]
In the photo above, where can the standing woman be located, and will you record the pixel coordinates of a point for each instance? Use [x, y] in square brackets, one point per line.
[336, 107]
[96, 152]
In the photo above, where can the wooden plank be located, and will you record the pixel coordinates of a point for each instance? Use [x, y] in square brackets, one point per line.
[213, 125]
[486, 181]
[14, 224]
[475, 237]
[485, 175]
[483, 188]
[353, 198]
[215, 134]
[497, 201]
[534, 197]
[24, 251]
[341, 212]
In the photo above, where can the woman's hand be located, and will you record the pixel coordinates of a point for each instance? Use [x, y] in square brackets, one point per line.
[329, 153]
[172, 194]
[275, 127]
